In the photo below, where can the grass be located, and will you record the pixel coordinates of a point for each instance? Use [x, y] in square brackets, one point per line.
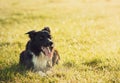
[86, 34]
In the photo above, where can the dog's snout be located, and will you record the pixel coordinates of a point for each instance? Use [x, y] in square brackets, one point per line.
[50, 43]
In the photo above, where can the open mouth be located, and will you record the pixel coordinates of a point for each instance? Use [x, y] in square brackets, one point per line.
[47, 51]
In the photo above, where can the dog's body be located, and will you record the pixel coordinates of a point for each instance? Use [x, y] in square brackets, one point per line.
[39, 54]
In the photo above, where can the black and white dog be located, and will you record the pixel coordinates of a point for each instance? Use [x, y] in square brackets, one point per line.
[39, 54]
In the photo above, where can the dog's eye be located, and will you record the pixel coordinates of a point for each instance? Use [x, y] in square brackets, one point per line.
[41, 38]
[49, 36]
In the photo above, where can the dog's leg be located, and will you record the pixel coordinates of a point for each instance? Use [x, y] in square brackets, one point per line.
[55, 58]
[42, 73]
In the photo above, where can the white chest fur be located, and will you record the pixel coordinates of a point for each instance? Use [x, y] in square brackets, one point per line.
[40, 62]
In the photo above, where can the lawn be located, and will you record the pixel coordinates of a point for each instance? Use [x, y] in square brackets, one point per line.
[86, 34]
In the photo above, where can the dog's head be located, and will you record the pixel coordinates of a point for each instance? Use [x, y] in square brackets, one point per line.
[41, 41]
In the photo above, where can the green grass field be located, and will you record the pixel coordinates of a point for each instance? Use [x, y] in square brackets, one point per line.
[86, 34]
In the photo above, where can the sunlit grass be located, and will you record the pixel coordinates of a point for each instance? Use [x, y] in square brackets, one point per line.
[86, 34]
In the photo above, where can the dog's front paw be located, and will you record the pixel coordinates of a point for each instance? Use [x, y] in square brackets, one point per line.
[49, 72]
[42, 74]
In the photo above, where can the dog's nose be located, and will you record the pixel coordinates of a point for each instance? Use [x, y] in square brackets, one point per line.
[50, 43]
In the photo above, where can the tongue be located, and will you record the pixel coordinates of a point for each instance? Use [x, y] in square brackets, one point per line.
[47, 51]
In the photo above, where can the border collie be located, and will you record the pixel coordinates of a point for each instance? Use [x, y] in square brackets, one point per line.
[40, 54]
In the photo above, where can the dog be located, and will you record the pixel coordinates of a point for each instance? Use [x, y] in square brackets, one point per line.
[40, 53]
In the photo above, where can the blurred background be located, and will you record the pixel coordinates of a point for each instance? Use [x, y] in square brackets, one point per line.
[86, 34]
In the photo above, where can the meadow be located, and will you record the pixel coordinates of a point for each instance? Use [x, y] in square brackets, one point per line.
[86, 34]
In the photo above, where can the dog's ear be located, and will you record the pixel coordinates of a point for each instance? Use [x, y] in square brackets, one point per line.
[31, 34]
[46, 29]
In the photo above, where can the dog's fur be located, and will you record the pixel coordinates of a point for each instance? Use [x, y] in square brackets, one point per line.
[40, 54]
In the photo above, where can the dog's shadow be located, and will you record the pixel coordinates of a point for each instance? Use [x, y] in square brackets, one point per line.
[9, 73]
